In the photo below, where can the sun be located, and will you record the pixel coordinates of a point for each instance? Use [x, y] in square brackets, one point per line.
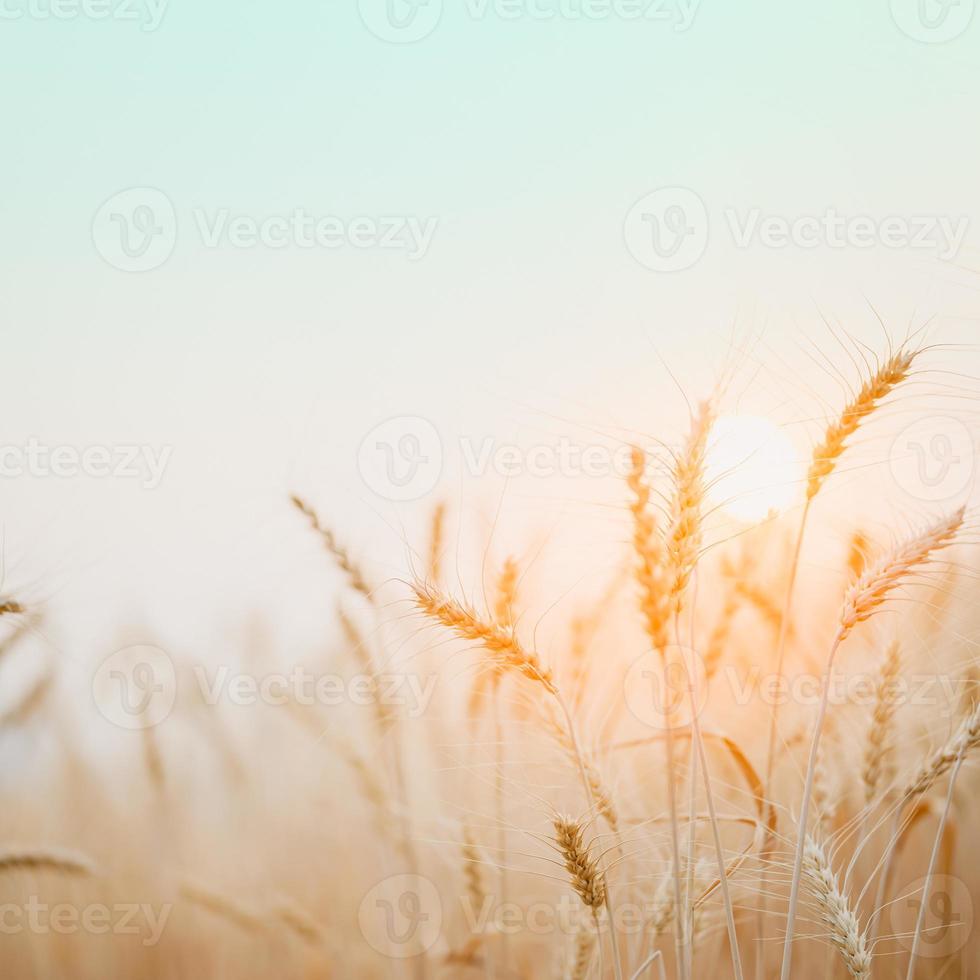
[752, 466]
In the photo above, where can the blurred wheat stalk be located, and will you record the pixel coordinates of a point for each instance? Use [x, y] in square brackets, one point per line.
[735, 830]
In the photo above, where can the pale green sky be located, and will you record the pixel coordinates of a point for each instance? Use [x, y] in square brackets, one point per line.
[528, 142]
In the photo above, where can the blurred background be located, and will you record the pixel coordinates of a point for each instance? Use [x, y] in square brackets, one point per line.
[238, 238]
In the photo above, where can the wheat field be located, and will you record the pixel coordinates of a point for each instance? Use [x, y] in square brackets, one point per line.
[738, 749]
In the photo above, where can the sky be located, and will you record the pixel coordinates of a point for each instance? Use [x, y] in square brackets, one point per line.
[536, 220]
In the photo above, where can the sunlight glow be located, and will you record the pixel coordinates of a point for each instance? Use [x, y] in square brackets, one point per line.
[753, 467]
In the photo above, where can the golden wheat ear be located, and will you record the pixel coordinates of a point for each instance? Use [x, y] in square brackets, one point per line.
[500, 642]
[886, 378]
[651, 571]
[880, 579]
[586, 879]
[683, 539]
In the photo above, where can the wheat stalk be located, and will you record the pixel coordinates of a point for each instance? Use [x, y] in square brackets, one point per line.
[466, 955]
[656, 606]
[957, 763]
[683, 546]
[663, 911]
[888, 374]
[508, 653]
[861, 601]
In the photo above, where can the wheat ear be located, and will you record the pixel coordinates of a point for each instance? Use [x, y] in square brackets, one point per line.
[10, 607]
[584, 949]
[223, 907]
[499, 641]
[886, 377]
[862, 600]
[880, 579]
[651, 569]
[436, 535]
[503, 610]
[683, 542]
[964, 741]
[933, 856]
[583, 869]
[683, 546]
[508, 653]
[471, 869]
[835, 911]
[475, 895]
[889, 374]
[655, 606]
[42, 859]
[354, 575]
[297, 921]
[881, 729]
